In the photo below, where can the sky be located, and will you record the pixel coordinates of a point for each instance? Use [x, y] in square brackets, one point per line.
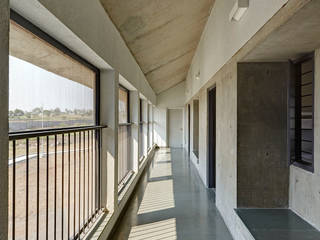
[31, 87]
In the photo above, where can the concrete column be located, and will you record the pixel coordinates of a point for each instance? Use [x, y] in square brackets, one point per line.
[109, 115]
[134, 118]
[4, 95]
[152, 125]
[145, 126]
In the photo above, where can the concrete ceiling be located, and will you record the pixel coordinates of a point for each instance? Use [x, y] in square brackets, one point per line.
[161, 34]
[294, 39]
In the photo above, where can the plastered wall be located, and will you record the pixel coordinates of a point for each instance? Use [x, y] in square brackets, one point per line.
[172, 98]
[221, 38]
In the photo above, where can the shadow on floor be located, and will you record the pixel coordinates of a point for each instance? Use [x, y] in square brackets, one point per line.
[171, 202]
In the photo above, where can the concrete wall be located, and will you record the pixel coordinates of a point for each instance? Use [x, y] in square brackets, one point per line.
[221, 38]
[99, 42]
[172, 98]
[304, 185]
[224, 44]
[4, 96]
[262, 161]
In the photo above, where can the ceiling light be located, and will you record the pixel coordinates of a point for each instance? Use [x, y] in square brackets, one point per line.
[239, 8]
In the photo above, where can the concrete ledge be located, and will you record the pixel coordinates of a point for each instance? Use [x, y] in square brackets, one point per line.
[105, 224]
[265, 224]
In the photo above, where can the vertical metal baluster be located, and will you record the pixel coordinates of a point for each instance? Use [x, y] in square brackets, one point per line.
[27, 187]
[79, 183]
[38, 183]
[68, 185]
[84, 181]
[88, 193]
[62, 181]
[92, 171]
[74, 183]
[97, 172]
[47, 190]
[13, 189]
[99, 168]
[55, 189]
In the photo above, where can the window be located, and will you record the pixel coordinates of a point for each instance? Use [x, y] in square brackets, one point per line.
[196, 128]
[301, 114]
[48, 88]
[53, 175]
[143, 128]
[125, 165]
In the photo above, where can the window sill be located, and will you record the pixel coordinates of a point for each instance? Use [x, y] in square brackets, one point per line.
[304, 166]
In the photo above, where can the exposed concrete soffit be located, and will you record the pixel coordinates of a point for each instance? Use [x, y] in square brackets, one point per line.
[161, 35]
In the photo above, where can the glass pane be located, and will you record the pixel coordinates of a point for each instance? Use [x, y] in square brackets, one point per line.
[47, 89]
[123, 106]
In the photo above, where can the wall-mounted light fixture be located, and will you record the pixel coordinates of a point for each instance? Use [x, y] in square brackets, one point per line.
[239, 8]
[198, 76]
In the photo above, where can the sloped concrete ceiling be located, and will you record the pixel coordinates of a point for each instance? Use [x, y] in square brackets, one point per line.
[161, 34]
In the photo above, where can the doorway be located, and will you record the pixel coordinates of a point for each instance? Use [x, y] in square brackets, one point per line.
[212, 137]
[175, 128]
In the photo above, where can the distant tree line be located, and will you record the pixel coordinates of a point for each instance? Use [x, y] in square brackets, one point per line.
[40, 112]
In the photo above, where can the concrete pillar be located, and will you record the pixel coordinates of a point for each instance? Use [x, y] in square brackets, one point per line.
[4, 95]
[145, 126]
[109, 115]
[134, 118]
[262, 160]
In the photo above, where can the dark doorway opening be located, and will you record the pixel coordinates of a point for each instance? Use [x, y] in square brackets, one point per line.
[212, 137]
[189, 117]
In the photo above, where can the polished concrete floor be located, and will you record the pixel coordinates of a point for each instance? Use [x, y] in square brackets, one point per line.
[171, 202]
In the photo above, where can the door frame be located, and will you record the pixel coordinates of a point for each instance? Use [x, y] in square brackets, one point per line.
[168, 124]
[189, 128]
[212, 136]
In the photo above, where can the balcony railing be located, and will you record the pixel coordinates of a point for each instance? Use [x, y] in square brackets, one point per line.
[125, 165]
[142, 141]
[54, 182]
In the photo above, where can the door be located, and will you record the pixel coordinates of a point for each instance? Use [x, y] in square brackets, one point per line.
[212, 137]
[175, 128]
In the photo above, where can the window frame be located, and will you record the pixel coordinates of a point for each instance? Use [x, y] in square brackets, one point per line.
[15, 17]
[297, 76]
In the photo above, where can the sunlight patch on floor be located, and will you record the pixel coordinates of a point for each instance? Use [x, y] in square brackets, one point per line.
[161, 170]
[158, 196]
[155, 231]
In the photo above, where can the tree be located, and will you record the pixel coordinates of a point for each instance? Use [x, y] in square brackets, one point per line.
[47, 113]
[18, 112]
[57, 111]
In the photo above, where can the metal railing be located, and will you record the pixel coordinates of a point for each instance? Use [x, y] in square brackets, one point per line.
[54, 182]
[125, 165]
[141, 142]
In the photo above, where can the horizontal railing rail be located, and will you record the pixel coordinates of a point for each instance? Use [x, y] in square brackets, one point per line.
[50, 132]
[54, 182]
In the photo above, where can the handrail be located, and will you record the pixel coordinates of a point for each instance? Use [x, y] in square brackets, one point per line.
[124, 124]
[51, 131]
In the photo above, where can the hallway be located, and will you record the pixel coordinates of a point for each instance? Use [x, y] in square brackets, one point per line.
[171, 202]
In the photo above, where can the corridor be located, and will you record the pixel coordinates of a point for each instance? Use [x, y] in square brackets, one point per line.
[171, 202]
